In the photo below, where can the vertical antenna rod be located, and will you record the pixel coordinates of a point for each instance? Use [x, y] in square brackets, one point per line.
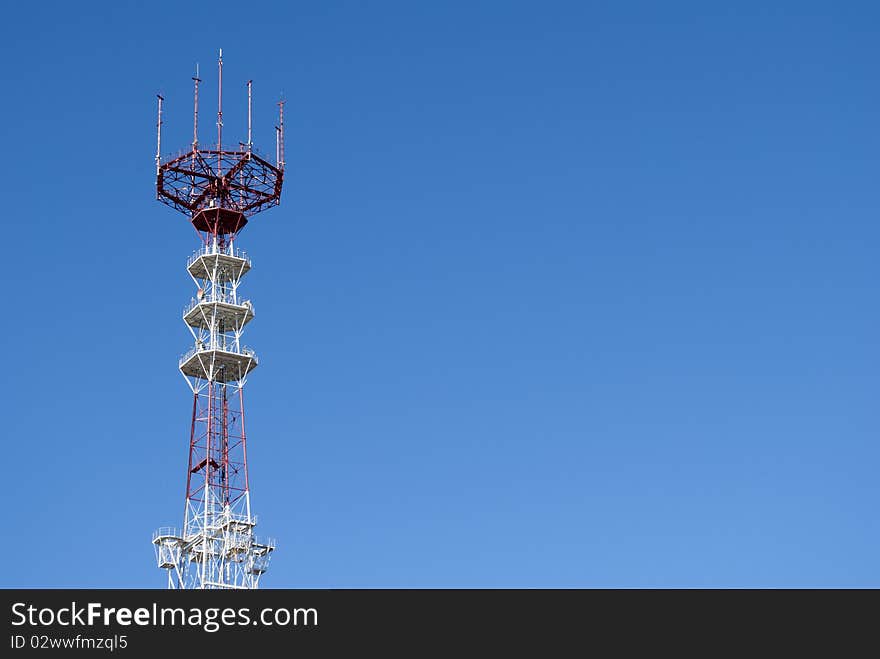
[250, 142]
[279, 135]
[219, 108]
[195, 144]
[159, 135]
[196, 82]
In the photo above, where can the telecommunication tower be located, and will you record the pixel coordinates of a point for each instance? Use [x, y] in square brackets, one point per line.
[217, 188]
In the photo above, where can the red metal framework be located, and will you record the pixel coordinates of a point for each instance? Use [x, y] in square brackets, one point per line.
[217, 471]
[216, 187]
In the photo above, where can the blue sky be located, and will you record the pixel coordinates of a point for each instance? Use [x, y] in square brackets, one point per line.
[559, 294]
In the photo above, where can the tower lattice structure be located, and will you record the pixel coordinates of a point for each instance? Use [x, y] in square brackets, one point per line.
[217, 188]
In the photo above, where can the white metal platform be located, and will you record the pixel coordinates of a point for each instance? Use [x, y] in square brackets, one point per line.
[168, 543]
[220, 365]
[219, 267]
[233, 316]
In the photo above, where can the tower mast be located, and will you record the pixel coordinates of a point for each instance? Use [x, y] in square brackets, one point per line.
[217, 546]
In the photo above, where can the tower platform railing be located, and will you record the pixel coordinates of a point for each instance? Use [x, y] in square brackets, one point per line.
[208, 346]
[215, 250]
[167, 532]
[218, 297]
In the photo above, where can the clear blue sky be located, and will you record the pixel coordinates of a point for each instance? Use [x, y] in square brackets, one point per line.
[559, 294]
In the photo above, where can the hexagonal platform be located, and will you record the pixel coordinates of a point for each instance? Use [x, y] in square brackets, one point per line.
[220, 365]
[231, 316]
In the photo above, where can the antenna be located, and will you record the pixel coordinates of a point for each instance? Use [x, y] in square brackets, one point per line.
[196, 81]
[159, 135]
[250, 142]
[279, 136]
[219, 108]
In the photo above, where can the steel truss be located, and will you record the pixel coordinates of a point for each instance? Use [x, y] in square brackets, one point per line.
[217, 546]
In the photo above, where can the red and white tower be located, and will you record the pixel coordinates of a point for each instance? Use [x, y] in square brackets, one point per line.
[217, 188]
